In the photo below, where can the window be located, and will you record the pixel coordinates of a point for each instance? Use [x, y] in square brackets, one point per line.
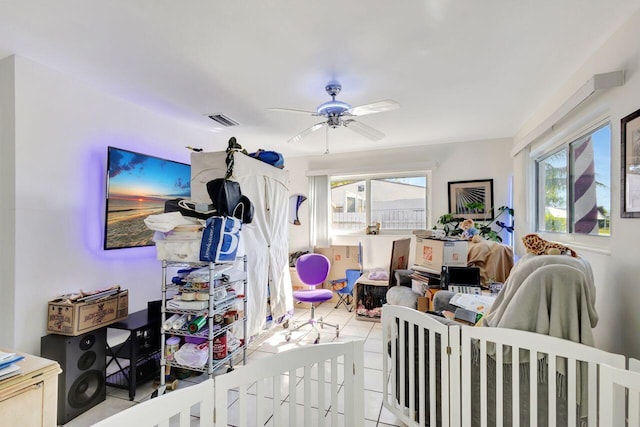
[397, 203]
[574, 186]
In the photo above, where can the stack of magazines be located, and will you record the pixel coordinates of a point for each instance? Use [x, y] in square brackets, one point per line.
[87, 296]
[8, 367]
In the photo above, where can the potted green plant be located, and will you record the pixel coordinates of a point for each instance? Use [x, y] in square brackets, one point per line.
[488, 229]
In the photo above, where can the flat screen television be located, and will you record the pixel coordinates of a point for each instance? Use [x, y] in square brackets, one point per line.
[137, 186]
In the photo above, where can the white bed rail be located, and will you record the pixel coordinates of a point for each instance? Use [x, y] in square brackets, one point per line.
[176, 406]
[419, 366]
[271, 391]
[620, 395]
[564, 376]
[441, 375]
[267, 391]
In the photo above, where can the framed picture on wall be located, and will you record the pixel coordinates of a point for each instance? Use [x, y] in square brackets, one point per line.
[471, 199]
[630, 173]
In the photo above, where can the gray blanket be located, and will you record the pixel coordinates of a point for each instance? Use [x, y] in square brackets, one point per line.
[552, 295]
[548, 294]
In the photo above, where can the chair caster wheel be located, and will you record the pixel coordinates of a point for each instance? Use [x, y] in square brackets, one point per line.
[287, 337]
[317, 340]
[337, 331]
[321, 324]
[158, 392]
[285, 325]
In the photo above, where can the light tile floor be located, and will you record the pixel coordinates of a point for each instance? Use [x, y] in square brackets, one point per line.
[271, 342]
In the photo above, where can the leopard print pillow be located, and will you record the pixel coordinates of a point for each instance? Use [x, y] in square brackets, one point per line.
[537, 245]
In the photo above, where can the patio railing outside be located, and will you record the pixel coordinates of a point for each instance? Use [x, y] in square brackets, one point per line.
[394, 219]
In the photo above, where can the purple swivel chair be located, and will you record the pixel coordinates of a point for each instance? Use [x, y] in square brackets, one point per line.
[313, 270]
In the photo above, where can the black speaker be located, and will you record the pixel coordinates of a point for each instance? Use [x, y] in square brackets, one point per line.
[81, 385]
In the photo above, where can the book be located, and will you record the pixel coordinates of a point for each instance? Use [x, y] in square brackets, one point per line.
[472, 302]
[99, 295]
[10, 360]
[234, 275]
[421, 268]
[4, 355]
[10, 371]
[187, 305]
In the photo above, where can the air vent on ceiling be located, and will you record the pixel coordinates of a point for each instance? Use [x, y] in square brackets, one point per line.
[223, 120]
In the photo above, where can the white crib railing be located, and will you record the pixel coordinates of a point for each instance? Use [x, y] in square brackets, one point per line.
[419, 366]
[562, 381]
[267, 391]
[620, 395]
[271, 391]
[176, 406]
[472, 376]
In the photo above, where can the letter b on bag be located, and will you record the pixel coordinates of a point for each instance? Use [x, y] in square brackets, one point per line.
[220, 239]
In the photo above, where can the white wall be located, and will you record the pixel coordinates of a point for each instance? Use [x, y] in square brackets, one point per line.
[453, 162]
[7, 195]
[56, 185]
[62, 131]
[615, 260]
[298, 184]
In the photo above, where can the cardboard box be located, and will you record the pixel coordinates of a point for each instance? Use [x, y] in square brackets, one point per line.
[297, 285]
[342, 258]
[65, 318]
[424, 304]
[434, 253]
[430, 294]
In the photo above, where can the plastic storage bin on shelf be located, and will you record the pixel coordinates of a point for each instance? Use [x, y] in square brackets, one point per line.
[205, 320]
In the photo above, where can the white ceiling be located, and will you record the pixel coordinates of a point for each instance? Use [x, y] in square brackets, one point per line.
[461, 69]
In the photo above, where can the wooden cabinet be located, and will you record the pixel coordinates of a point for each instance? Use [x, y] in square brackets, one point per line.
[31, 398]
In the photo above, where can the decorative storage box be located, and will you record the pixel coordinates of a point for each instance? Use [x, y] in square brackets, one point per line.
[434, 253]
[67, 318]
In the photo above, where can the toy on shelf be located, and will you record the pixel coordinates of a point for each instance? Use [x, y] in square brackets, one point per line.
[469, 231]
[537, 245]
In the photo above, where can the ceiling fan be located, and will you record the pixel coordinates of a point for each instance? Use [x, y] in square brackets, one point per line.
[338, 113]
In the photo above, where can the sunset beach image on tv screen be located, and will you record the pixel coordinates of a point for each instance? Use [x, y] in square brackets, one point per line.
[138, 186]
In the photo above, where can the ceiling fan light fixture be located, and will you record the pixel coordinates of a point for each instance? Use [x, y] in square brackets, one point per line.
[333, 108]
[334, 121]
[338, 114]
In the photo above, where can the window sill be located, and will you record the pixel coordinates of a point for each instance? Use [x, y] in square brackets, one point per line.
[360, 233]
[353, 239]
[595, 244]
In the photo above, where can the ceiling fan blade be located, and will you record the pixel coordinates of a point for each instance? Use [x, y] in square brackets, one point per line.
[306, 132]
[364, 130]
[375, 107]
[291, 110]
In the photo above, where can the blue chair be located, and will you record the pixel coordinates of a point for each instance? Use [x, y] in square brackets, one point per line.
[345, 293]
[313, 270]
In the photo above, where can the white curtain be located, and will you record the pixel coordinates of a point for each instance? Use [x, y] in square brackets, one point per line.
[320, 210]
